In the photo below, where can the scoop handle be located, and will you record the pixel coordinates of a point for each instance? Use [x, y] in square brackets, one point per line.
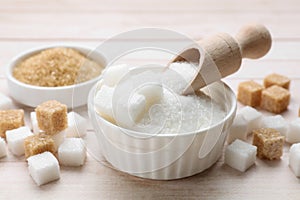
[226, 53]
[254, 40]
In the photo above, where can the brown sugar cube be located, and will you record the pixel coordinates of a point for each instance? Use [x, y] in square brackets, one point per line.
[277, 79]
[249, 93]
[36, 144]
[275, 99]
[10, 119]
[269, 143]
[52, 117]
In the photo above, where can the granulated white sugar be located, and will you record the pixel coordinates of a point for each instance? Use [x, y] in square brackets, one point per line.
[173, 113]
[180, 114]
[179, 76]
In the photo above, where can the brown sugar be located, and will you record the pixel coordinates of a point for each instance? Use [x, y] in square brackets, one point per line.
[275, 99]
[10, 119]
[56, 67]
[277, 79]
[52, 117]
[37, 144]
[249, 93]
[269, 143]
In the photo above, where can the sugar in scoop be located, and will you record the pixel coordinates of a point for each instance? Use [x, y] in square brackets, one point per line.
[221, 55]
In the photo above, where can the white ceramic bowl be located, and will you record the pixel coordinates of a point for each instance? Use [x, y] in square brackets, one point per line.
[72, 96]
[165, 156]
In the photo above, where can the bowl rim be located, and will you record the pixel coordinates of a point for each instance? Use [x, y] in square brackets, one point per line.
[229, 114]
[27, 53]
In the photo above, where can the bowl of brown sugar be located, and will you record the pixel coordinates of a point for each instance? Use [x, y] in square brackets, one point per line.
[65, 73]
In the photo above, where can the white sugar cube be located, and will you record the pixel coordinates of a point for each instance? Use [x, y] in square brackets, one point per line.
[293, 133]
[128, 112]
[152, 92]
[238, 129]
[294, 159]
[136, 107]
[252, 117]
[34, 123]
[5, 102]
[76, 125]
[43, 168]
[103, 102]
[72, 152]
[240, 155]
[113, 74]
[3, 152]
[58, 139]
[276, 122]
[15, 139]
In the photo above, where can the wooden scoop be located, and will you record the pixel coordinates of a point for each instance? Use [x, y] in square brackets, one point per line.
[221, 55]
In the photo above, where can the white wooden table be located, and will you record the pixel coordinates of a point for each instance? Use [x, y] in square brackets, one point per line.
[30, 23]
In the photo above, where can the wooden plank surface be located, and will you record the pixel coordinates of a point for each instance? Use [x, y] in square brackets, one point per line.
[31, 23]
[150, 6]
[70, 25]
